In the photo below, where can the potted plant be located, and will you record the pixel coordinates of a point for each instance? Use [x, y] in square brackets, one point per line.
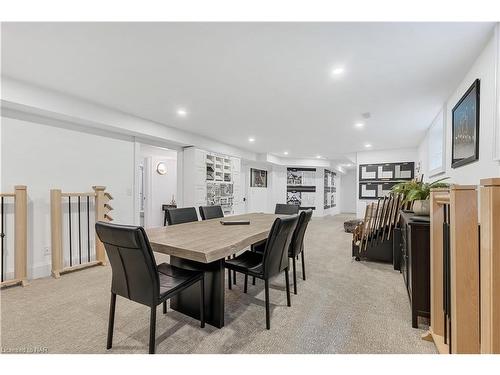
[418, 192]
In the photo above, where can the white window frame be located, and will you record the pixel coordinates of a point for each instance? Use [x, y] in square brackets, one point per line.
[441, 116]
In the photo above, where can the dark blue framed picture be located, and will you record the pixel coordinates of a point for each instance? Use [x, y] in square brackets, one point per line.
[465, 128]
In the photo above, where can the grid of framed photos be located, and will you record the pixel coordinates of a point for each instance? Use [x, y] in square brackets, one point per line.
[330, 190]
[376, 180]
[301, 187]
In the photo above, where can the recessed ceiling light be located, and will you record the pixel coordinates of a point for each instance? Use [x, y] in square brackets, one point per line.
[318, 156]
[181, 112]
[359, 125]
[367, 145]
[251, 139]
[337, 71]
[285, 153]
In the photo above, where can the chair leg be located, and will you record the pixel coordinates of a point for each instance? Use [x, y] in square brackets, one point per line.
[268, 318]
[245, 288]
[253, 280]
[111, 322]
[287, 280]
[229, 282]
[294, 265]
[303, 266]
[202, 302]
[165, 307]
[234, 272]
[152, 331]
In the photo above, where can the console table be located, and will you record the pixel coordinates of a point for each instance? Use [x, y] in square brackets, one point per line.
[415, 263]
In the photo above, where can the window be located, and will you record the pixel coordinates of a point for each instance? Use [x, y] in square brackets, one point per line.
[436, 150]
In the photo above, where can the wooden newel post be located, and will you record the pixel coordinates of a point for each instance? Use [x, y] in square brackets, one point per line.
[490, 265]
[464, 270]
[102, 209]
[21, 234]
[56, 232]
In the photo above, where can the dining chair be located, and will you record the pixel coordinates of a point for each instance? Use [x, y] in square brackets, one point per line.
[137, 277]
[181, 215]
[286, 209]
[296, 246]
[211, 212]
[272, 262]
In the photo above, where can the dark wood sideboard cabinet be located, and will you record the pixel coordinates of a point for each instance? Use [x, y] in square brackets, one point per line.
[415, 264]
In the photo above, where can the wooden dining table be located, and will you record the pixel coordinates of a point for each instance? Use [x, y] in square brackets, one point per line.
[204, 245]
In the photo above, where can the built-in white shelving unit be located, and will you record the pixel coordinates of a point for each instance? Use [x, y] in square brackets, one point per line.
[212, 179]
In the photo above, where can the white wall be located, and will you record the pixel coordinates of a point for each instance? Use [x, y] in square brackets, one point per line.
[349, 192]
[45, 157]
[160, 188]
[483, 68]
[380, 156]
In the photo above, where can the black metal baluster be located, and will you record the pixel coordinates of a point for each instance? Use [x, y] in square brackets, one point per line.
[79, 233]
[2, 234]
[69, 214]
[449, 279]
[445, 278]
[88, 229]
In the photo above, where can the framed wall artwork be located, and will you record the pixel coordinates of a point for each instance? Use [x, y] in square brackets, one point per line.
[465, 128]
[301, 187]
[258, 178]
[329, 199]
[376, 180]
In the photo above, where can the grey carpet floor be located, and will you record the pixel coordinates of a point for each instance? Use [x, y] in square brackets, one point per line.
[343, 307]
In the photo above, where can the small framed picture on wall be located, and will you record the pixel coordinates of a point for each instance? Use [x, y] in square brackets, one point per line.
[465, 128]
[258, 178]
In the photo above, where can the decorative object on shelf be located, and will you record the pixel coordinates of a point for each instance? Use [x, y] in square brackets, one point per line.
[301, 187]
[161, 168]
[418, 193]
[172, 202]
[220, 194]
[377, 180]
[258, 178]
[465, 128]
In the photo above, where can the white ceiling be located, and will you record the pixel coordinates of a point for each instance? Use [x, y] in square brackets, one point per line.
[270, 81]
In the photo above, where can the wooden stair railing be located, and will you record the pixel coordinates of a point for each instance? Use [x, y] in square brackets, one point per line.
[101, 208]
[20, 236]
[454, 270]
[489, 197]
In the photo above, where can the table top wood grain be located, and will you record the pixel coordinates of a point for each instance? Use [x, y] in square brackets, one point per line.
[207, 241]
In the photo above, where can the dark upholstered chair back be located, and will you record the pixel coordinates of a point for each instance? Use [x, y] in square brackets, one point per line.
[135, 275]
[277, 244]
[211, 212]
[181, 215]
[286, 209]
[297, 242]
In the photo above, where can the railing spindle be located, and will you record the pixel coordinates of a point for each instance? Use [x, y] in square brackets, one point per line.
[2, 235]
[88, 229]
[79, 233]
[70, 250]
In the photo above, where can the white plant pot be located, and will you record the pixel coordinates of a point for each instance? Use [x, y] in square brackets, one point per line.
[422, 207]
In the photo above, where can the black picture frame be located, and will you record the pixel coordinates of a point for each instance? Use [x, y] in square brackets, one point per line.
[467, 106]
[258, 178]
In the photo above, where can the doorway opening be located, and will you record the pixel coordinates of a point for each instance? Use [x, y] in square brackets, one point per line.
[157, 183]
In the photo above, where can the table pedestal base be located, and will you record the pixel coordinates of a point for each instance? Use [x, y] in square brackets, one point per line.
[188, 301]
